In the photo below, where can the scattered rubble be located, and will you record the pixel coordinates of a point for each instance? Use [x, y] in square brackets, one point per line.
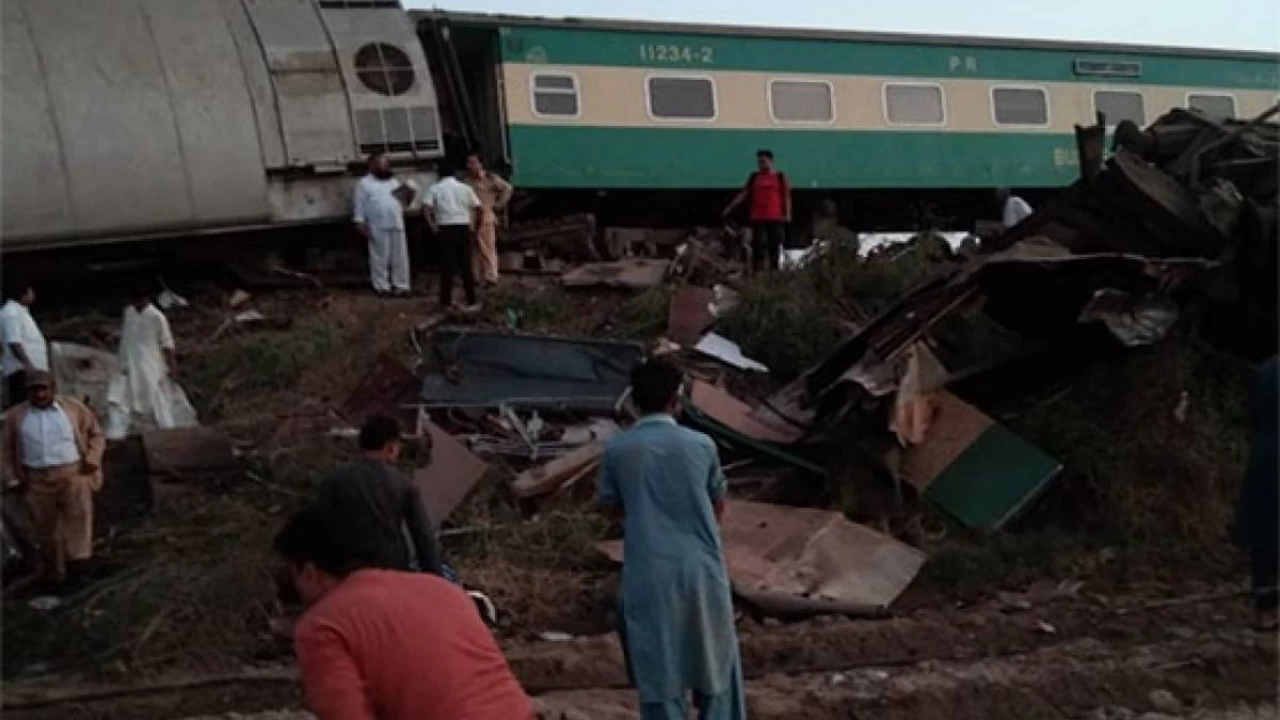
[798, 561]
[187, 452]
[1177, 222]
[630, 274]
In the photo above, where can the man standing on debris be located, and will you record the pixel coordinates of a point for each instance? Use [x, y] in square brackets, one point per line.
[1260, 495]
[452, 210]
[770, 210]
[1013, 209]
[25, 349]
[494, 194]
[376, 504]
[380, 199]
[388, 645]
[146, 390]
[53, 446]
[676, 610]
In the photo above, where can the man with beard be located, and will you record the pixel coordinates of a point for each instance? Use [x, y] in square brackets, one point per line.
[380, 199]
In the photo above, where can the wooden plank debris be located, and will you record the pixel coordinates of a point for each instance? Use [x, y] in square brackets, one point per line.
[547, 478]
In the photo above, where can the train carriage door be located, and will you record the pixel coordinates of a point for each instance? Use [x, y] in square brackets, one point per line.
[308, 82]
[467, 63]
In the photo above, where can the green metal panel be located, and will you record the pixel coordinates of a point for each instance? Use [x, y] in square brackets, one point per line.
[993, 479]
[720, 52]
[549, 156]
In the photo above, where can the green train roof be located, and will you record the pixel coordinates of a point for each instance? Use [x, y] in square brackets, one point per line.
[744, 31]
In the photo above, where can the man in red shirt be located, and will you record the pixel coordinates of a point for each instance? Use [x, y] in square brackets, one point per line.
[770, 205]
[389, 645]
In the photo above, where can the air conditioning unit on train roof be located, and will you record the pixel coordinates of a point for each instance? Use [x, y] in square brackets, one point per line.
[393, 101]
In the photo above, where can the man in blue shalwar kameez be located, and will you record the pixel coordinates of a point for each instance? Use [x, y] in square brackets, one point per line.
[676, 610]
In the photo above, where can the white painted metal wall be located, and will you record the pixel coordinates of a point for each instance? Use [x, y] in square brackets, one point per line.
[127, 118]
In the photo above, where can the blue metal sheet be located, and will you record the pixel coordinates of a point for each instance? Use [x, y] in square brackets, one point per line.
[486, 368]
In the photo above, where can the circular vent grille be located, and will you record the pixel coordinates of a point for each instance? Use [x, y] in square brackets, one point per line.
[384, 69]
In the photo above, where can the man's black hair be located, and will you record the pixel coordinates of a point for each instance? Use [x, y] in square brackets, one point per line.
[15, 288]
[378, 431]
[653, 384]
[313, 536]
[764, 153]
[374, 156]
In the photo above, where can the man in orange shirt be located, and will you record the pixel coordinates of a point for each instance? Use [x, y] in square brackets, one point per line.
[389, 645]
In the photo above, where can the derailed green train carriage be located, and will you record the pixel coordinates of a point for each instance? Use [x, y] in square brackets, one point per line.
[605, 105]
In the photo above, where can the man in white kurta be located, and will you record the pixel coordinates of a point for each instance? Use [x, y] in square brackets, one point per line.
[380, 198]
[145, 392]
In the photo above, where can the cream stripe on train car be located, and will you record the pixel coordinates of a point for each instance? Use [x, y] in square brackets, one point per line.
[617, 97]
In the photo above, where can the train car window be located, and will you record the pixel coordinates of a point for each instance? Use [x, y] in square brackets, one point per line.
[1213, 105]
[555, 94]
[801, 101]
[1120, 105]
[1020, 106]
[681, 98]
[914, 104]
[384, 69]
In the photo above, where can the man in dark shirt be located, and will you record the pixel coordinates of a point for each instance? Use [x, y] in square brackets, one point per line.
[376, 504]
[770, 204]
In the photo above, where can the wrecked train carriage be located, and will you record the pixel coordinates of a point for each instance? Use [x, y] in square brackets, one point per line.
[1132, 244]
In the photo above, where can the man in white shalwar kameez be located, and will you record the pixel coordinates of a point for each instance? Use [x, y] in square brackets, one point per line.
[378, 212]
[145, 394]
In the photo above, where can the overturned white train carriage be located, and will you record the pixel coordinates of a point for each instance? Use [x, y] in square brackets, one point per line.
[124, 119]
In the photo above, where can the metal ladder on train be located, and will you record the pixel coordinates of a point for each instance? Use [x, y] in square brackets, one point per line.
[452, 69]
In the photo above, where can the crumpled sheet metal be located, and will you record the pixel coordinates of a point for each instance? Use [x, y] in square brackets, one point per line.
[973, 468]
[487, 369]
[451, 475]
[731, 412]
[870, 357]
[788, 560]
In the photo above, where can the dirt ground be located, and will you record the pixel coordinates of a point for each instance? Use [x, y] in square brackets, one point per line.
[1038, 622]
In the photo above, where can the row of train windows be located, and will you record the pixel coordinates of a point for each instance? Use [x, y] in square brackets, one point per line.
[812, 102]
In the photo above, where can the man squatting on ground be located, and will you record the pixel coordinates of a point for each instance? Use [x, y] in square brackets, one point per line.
[676, 611]
[769, 196]
[377, 644]
[53, 446]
